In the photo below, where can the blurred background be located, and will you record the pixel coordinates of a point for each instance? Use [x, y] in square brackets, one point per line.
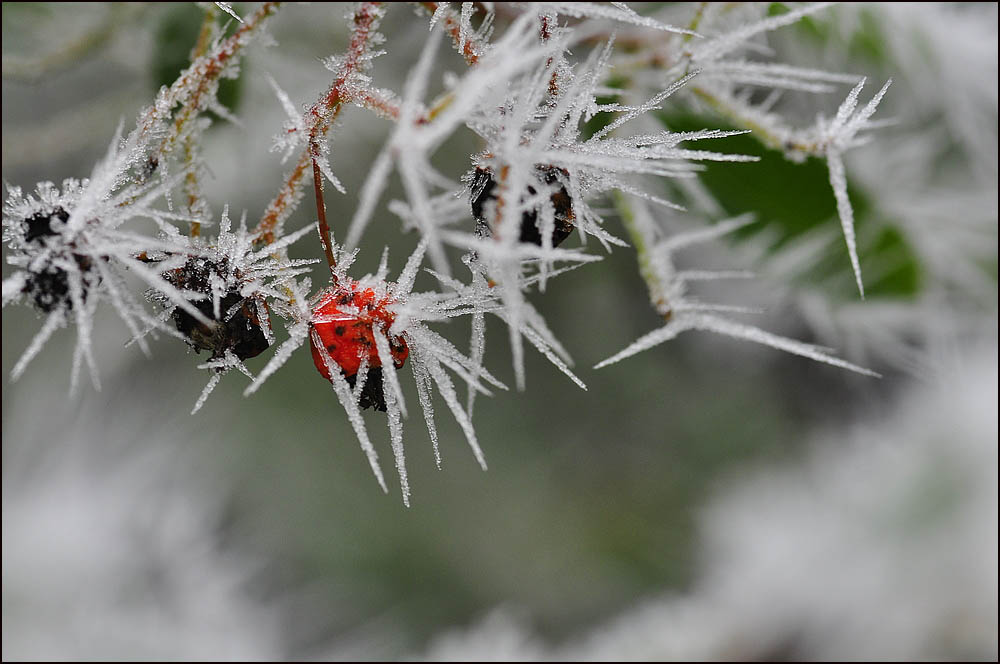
[708, 499]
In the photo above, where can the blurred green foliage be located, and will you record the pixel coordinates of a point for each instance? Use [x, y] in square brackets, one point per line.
[866, 40]
[791, 199]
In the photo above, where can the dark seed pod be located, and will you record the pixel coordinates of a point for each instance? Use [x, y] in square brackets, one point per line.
[48, 289]
[240, 325]
[484, 190]
[48, 286]
[39, 225]
[240, 329]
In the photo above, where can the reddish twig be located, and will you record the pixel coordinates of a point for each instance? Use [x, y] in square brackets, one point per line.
[195, 200]
[324, 227]
[191, 85]
[472, 49]
[318, 120]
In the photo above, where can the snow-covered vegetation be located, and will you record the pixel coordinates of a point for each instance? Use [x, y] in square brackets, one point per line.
[530, 99]
[518, 205]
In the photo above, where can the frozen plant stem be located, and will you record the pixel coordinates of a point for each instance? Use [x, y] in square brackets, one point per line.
[643, 241]
[205, 71]
[324, 227]
[365, 20]
[469, 48]
[192, 187]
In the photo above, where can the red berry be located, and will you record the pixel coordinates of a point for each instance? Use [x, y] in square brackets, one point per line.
[344, 319]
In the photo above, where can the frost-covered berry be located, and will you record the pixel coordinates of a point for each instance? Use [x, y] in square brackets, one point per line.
[49, 287]
[484, 186]
[344, 319]
[239, 322]
[39, 225]
[47, 279]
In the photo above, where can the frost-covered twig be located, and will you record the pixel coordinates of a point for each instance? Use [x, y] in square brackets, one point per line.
[456, 24]
[311, 129]
[195, 88]
[667, 289]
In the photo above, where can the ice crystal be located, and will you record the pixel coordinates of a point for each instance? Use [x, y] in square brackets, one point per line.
[837, 136]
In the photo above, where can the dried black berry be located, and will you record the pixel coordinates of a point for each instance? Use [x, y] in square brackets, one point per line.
[48, 289]
[239, 329]
[242, 332]
[484, 186]
[48, 286]
[40, 224]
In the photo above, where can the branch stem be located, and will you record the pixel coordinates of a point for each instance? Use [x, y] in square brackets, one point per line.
[324, 227]
[192, 187]
[469, 47]
[643, 241]
[366, 19]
